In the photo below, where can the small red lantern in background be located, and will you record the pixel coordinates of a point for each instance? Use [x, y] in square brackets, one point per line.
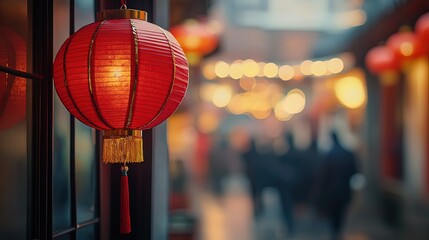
[422, 31]
[121, 75]
[197, 38]
[13, 54]
[405, 46]
[382, 61]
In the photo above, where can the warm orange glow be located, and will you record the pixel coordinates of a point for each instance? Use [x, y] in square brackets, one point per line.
[238, 104]
[261, 114]
[406, 49]
[208, 122]
[276, 98]
[350, 91]
[209, 71]
[247, 83]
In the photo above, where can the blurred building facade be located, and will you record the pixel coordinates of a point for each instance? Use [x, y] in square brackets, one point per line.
[289, 67]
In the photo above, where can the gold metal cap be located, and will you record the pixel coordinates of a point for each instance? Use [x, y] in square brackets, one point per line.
[121, 14]
[122, 133]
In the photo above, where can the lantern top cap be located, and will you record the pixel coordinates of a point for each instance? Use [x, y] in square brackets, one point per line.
[121, 14]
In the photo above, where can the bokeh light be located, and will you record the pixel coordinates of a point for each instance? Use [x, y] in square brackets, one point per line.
[280, 111]
[247, 83]
[318, 68]
[295, 101]
[221, 69]
[236, 69]
[305, 67]
[209, 71]
[286, 72]
[335, 65]
[271, 70]
[350, 91]
[207, 92]
[222, 96]
[238, 104]
[250, 68]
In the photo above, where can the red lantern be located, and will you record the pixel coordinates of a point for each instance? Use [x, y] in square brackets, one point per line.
[405, 46]
[196, 38]
[422, 31]
[13, 53]
[122, 75]
[381, 59]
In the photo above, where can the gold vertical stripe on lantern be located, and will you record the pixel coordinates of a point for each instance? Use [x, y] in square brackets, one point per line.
[136, 74]
[122, 146]
[173, 78]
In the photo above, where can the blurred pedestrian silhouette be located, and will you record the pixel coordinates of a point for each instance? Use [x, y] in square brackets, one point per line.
[290, 187]
[254, 169]
[335, 193]
[224, 162]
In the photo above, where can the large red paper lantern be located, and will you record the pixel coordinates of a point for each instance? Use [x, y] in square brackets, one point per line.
[121, 75]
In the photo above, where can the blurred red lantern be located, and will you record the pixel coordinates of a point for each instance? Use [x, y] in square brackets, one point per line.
[122, 75]
[405, 46]
[197, 38]
[381, 59]
[422, 31]
[13, 54]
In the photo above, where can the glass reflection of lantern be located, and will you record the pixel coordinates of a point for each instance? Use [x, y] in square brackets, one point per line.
[121, 75]
[12, 89]
[197, 38]
[382, 61]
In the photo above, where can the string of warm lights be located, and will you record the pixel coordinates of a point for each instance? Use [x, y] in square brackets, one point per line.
[261, 98]
[238, 69]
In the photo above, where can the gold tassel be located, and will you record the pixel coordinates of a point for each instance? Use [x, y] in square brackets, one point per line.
[120, 146]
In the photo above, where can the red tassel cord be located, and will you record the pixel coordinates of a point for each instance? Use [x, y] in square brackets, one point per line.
[125, 203]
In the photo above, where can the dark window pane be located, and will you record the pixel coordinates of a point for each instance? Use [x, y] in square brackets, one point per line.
[13, 34]
[86, 184]
[61, 168]
[13, 171]
[61, 195]
[87, 233]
